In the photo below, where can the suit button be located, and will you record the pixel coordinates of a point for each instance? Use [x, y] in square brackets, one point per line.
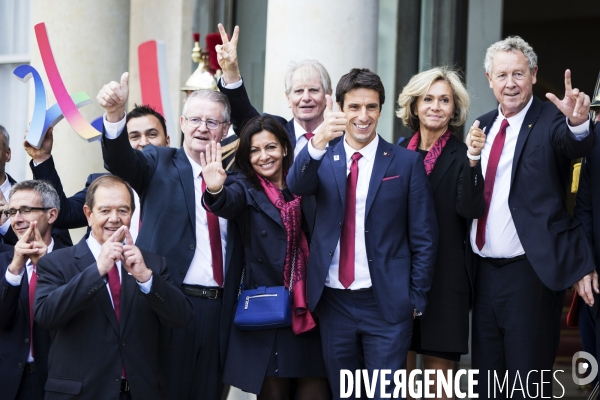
[192, 246]
[263, 233]
[19, 365]
[182, 274]
[260, 260]
[117, 379]
[331, 253]
[122, 344]
[340, 224]
[26, 340]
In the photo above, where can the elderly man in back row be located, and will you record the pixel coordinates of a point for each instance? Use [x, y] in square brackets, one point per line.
[198, 246]
[525, 246]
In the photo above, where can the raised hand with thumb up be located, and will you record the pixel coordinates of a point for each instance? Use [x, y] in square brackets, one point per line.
[334, 125]
[113, 98]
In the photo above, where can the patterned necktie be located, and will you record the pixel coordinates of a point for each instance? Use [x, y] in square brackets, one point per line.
[214, 237]
[347, 241]
[114, 284]
[32, 286]
[490, 178]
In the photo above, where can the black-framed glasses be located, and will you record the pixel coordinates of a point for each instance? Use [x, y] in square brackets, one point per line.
[194, 122]
[11, 212]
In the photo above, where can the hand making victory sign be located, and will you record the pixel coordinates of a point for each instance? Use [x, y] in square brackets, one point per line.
[575, 105]
[227, 55]
[212, 170]
[334, 125]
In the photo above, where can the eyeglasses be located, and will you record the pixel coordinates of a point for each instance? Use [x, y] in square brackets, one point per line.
[11, 212]
[196, 122]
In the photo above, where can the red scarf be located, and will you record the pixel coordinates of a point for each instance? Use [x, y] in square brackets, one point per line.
[434, 152]
[291, 216]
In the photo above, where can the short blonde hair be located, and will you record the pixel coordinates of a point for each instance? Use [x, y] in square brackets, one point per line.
[420, 84]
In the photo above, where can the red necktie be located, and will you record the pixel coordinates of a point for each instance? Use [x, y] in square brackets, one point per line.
[346, 272]
[216, 249]
[309, 135]
[114, 284]
[490, 178]
[32, 286]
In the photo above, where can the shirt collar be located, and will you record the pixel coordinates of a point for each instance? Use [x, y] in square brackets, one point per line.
[299, 131]
[5, 187]
[517, 119]
[196, 168]
[368, 152]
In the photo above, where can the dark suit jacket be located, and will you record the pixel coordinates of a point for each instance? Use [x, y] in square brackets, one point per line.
[445, 326]
[264, 238]
[71, 214]
[162, 177]
[15, 333]
[88, 344]
[401, 233]
[554, 242]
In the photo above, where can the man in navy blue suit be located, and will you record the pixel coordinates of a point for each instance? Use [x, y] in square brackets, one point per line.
[375, 239]
[33, 208]
[199, 248]
[526, 248]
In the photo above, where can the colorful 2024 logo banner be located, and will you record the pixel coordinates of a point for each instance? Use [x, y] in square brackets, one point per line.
[67, 105]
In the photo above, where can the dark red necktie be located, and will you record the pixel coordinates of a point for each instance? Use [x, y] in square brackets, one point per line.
[114, 284]
[490, 178]
[32, 286]
[309, 135]
[216, 249]
[346, 272]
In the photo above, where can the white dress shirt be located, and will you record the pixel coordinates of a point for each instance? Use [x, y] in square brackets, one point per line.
[501, 238]
[5, 189]
[15, 280]
[200, 269]
[362, 276]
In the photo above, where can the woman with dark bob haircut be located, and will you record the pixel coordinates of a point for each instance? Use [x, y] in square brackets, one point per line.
[269, 218]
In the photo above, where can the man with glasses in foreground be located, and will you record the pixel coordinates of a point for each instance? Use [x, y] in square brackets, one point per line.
[33, 208]
[198, 246]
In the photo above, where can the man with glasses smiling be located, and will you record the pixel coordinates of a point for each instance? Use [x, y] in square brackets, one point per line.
[33, 208]
[197, 245]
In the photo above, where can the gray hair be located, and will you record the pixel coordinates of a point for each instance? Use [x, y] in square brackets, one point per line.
[510, 44]
[210, 95]
[308, 68]
[5, 137]
[48, 195]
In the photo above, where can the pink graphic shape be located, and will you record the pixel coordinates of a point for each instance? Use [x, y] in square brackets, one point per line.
[66, 104]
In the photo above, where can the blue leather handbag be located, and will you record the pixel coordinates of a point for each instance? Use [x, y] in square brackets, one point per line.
[263, 308]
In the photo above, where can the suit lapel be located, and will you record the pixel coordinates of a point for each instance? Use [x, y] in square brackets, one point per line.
[128, 288]
[83, 259]
[383, 157]
[338, 163]
[263, 202]
[289, 127]
[187, 178]
[530, 118]
[443, 163]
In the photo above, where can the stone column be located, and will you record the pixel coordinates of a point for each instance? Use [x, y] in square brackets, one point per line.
[90, 42]
[171, 22]
[341, 34]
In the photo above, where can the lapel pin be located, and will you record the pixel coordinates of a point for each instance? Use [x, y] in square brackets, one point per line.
[530, 125]
[385, 153]
[336, 157]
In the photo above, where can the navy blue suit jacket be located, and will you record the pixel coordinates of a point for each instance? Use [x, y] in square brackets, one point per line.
[163, 178]
[89, 346]
[401, 232]
[15, 333]
[554, 242]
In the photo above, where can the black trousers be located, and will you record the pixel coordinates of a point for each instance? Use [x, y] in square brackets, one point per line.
[194, 370]
[516, 331]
